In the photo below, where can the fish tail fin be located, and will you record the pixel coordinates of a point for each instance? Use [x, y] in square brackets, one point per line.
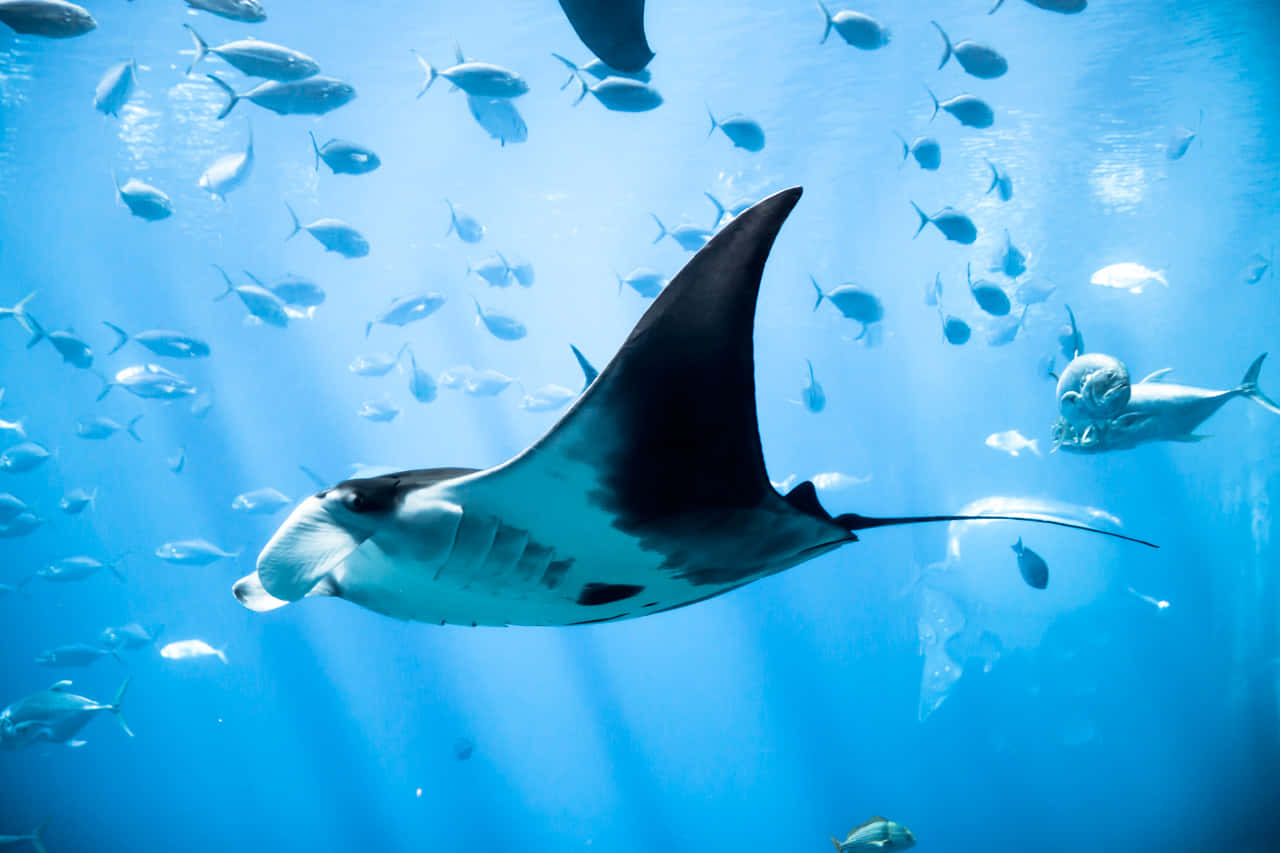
[430, 71]
[936, 106]
[453, 218]
[202, 48]
[1249, 387]
[906, 149]
[20, 426]
[1034, 446]
[19, 311]
[93, 498]
[130, 428]
[115, 706]
[297, 225]
[230, 287]
[316, 146]
[826, 31]
[993, 9]
[37, 837]
[120, 333]
[222, 655]
[479, 310]
[620, 281]
[995, 176]
[107, 385]
[810, 363]
[36, 330]
[946, 44]
[818, 291]
[720, 211]
[924, 220]
[714, 123]
[368, 327]
[835, 844]
[583, 93]
[113, 566]
[232, 97]
[662, 229]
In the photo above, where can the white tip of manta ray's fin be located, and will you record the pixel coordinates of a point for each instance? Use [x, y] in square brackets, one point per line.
[306, 548]
[250, 592]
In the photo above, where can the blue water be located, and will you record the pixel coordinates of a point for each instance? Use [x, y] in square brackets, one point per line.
[769, 718]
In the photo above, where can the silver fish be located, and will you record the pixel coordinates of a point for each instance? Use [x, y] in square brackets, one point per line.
[115, 88]
[745, 133]
[467, 228]
[312, 96]
[334, 234]
[857, 30]
[482, 79]
[228, 172]
[162, 342]
[54, 19]
[969, 110]
[193, 552]
[245, 11]
[256, 58]
[143, 200]
[262, 304]
[344, 158]
[501, 326]
[55, 715]
[407, 309]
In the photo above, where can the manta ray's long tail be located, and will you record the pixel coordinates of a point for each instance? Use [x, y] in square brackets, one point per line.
[1249, 387]
[851, 521]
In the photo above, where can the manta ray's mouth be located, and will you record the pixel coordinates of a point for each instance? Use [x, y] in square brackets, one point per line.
[308, 547]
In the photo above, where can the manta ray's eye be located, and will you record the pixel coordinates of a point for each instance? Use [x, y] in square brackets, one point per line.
[358, 503]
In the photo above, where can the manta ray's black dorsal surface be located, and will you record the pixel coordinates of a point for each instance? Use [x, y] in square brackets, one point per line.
[611, 29]
[649, 494]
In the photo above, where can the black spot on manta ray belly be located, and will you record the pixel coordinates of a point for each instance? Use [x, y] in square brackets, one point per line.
[594, 594]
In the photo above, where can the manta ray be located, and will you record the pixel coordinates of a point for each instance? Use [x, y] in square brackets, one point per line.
[649, 494]
[611, 29]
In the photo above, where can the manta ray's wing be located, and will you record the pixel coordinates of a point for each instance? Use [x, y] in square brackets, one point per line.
[611, 29]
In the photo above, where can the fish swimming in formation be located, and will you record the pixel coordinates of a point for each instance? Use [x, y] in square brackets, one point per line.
[344, 158]
[1259, 265]
[314, 95]
[969, 110]
[100, 427]
[876, 836]
[54, 19]
[193, 552]
[78, 568]
[266, 501]
[150, 382]
[613, 30]
[600, 71]
[228, 172]
[1066, 7]
[852, 301]
[1012, 442]
[1182, 139]
[73, 350]
[953, 224]
[405, 310]
[980, 60]
[188, 649]
[466, 227]
[161, 342]
[143, 200]
[1128, 276]
[131, 636]
[857, 30]
[1001, 183]
[379, 411]
[586, 526]
[55, 715]
[691, 238]
[619, 94]
[499, 118]
[743, 132]
[334, 234]
[925, 149]
[989, 295]
[115, 88]
[501, 326]
[23, 457]
[76, 654]
[422, 385]
[263, 305]
[255, 58]
[644, 281]
[812, 395]
[1032, 567]
[245, 11]
[482, 79]
[35, 838]
[375, 364]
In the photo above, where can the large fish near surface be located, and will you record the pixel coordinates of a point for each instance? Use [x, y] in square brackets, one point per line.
[1159, 411]
[649, 494]
[55, 715]
[313, 96]
[611, 29]
[245, 11]
[54, 19]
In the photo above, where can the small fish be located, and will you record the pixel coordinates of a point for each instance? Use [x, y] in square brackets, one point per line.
[143, 200]
[482, 79]
[599, 70]
[1128, 276]
[344, 158]
[1033, 291]
[76, 501]
[857, 30]
[486, 383]
[421, 384]
[835, 480]
[378, 411]
[467, 228]
[78, 568]
[1182, 139]
[501, 326]
[1032, 567]
[1012, 442]
[23, 457]
[499, 118]
[22, 524]
[255, 58]
[1258, 267]
[925, 149]
[691, 238]
[262, 305]
[266, 501]
[73, 350]
[98, 428]
[11, 506]
[743, 132]
[228, 172]
[334, 234]
[455, 378]
[131, 636]
[969, 110]
[723, 212]
[1066, 7]
[495, 270]
[463, 748]
[54, 19]
[245, 11]
[1011, 260]
[814, 398]
[1157, 603]
[375, 364]
[523, 273]
[76, 654]
[548, 398]
[953, 224]
[115, 88]
[853, 302]
[193, 552]
[955, 330]
[405, 310]
[1006, 332]
[619, 94]
[188, 649]
[178, 461]
[989, 295]
[1001, 183]
[161, 342]
[980, 60]
[877, 834]
[297, 292]
[313, 96]
[644, 281]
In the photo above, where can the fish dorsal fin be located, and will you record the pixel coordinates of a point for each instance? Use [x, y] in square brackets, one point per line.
[1158, 376]
[691, 354]
[60, 686]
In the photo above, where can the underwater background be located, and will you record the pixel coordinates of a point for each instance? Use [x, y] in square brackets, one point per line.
[912, 675]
